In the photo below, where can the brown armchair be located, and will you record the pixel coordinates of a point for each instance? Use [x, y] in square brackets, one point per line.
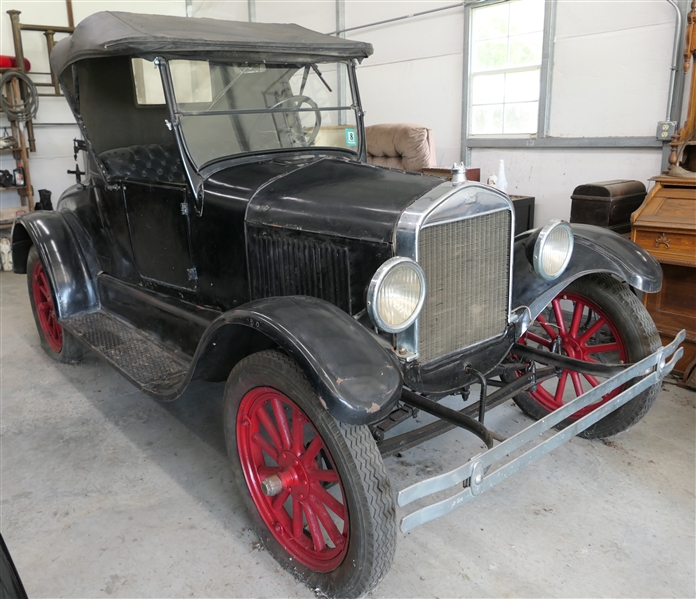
[400, 145]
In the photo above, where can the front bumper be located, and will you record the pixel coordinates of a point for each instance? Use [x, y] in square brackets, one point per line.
[477, 477]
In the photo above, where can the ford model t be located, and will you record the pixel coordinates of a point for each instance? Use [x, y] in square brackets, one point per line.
[229, 228]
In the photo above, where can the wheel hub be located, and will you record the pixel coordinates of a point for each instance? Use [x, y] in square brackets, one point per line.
[572, 348]
[293, 478]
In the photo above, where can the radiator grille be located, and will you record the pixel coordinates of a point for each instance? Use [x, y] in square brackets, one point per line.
[467, 272]
[281, 265]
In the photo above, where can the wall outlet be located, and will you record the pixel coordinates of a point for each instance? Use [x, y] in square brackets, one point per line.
[665, 130]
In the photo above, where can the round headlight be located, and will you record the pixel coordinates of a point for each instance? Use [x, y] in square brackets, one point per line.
[553, 249]
[396, 295]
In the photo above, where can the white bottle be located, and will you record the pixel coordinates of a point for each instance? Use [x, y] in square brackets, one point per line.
[502, 184]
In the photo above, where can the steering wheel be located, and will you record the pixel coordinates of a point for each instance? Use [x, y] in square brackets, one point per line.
[308, 140]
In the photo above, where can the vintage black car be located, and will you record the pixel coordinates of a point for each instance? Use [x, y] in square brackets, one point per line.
[229, 228]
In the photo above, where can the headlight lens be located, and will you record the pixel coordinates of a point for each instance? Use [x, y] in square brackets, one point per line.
[396, 295]
[553, 249]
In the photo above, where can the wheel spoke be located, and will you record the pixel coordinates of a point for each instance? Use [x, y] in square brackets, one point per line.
[577, 383]
[298, 423]
[297, 519]
[604, 347]
[546, 326]
[270, 428]
[264, 444]
[558, 397]
[312, 451]
[545, 396]
[279, 501]
[329, 500]
[577, 317]
[592, 380]
[282, 422]
[558, 313]
[268, 470]
[599, 323]
[538, 339]
[314, 528]
[326, 476]
[329, 525]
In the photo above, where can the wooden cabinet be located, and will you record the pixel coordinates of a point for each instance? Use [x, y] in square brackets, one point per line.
[665, 225]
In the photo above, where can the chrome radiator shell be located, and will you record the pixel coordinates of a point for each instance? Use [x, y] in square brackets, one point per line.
[450, 213]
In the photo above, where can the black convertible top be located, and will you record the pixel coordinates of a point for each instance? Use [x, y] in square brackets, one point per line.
[122, 33]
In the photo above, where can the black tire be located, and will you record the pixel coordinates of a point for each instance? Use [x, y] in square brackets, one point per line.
[640, 338]
[363, 484]
[65, 350]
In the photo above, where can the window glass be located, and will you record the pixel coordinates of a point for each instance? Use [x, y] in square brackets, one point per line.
[505, 67]
[229, 109]
[192, 76]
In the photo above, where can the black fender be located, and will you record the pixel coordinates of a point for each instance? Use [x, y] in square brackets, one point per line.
[595, 250]
[72, 282]
[356, 376]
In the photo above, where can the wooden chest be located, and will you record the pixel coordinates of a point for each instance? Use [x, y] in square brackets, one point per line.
[607, 204]
[665, 225]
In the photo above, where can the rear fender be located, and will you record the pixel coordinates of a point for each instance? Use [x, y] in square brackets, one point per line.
[60, 253]
[596, 250]
[357, 378]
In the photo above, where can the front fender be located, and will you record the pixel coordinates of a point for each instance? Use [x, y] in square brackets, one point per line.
[357, 379]
[596, 250]
[60, 253]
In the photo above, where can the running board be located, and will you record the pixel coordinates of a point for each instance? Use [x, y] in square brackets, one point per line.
[153, 367]
[475, 473]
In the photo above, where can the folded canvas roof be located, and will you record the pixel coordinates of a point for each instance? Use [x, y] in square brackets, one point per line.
[121, 33]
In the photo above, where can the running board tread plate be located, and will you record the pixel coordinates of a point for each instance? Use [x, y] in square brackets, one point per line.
[152, 367]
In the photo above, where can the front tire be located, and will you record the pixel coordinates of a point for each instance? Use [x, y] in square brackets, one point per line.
[57, 343]
[595, 319]
[331, 518]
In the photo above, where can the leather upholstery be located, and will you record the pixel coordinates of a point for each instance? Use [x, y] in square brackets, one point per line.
[159, 164]
[400, 145]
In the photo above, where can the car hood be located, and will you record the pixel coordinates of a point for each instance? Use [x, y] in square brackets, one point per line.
[330, 196]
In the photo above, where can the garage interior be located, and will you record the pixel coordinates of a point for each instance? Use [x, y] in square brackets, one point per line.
[106, 492]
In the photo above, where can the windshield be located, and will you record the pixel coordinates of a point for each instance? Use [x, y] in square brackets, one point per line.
[233, 109]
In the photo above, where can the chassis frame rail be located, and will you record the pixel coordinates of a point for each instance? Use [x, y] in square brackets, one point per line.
[475, 474]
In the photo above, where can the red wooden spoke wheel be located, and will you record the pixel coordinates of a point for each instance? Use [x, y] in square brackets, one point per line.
[595, 319]
[315, 488]
[288, 467]
[45, 308]
[580, 329]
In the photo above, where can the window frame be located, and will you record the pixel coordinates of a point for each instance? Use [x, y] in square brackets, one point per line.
[485, 140]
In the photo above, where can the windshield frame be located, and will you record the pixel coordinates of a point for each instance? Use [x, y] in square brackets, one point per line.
[176, 113]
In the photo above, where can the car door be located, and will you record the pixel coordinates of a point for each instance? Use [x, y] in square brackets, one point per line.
[158, 221]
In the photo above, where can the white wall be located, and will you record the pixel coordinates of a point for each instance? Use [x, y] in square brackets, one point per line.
[610, 78]
[53, 156]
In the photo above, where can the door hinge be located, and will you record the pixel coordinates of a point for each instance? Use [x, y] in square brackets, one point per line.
[192, 274]
[184, 208]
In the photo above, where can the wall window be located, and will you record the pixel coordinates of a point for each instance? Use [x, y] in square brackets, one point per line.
[506, 44]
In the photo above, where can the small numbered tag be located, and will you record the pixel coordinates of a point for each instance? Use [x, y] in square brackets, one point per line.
[351, 139]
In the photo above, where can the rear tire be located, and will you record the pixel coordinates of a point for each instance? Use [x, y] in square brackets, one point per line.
[275, 425]
[627, 333]
[57, 343]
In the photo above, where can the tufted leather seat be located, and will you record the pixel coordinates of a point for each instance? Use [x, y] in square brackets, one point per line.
[160, 164]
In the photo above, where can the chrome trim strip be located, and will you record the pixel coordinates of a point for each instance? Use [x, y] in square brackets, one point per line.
[448, 202]
[482, 482]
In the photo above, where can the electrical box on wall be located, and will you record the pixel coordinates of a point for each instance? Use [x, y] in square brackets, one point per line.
[665, 130]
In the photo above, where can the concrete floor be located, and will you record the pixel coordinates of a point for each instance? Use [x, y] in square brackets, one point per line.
[106, 492]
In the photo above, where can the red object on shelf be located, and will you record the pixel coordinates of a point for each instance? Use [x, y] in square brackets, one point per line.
[10, 62]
